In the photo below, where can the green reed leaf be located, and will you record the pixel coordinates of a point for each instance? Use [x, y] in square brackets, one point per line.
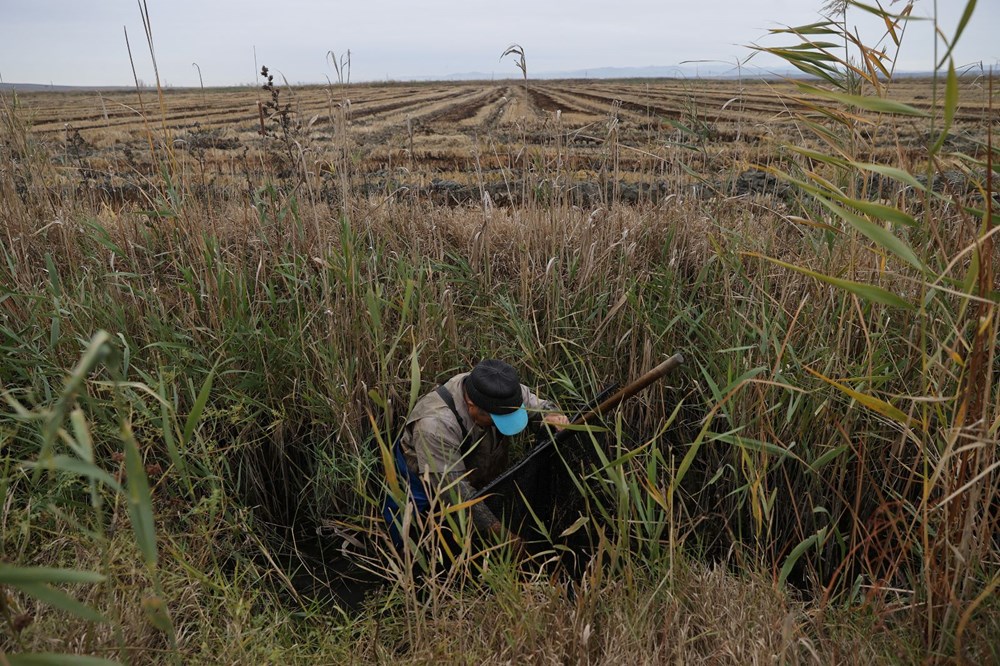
[59, 599]
[892, 172]
[11, 575]
[414, 378]
[866, 291]
[140, 502]
[820, 28]
[950, 105]
[871, 402]
[77, 467]
[876, 104]
[970, 7]
[83, 445]
[882, 212]
[197, 408]
[827, 457]
[796, 554]
[874, 232]
[51, 659]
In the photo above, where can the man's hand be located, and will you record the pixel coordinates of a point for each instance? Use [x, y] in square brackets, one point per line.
[557, 421]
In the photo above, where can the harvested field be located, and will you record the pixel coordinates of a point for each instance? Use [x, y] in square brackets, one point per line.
[584, 141]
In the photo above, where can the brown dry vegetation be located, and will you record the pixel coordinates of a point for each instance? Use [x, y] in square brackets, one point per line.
[305, 279]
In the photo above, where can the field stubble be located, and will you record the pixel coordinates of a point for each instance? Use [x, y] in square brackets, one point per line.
[583, 143]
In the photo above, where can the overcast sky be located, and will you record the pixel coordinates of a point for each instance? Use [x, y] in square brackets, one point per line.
[81, 42]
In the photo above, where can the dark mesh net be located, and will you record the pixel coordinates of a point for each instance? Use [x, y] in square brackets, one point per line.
[540, 497]
[543, 495]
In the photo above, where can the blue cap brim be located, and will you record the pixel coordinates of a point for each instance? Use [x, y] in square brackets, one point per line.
[513, 423]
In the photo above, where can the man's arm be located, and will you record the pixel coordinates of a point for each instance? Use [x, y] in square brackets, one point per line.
[542, 411]
[485, 522]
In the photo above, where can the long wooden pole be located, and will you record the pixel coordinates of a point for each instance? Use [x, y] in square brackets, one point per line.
[628, 391]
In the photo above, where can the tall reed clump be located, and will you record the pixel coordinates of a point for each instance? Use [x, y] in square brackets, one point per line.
[69, 456]
[913, 263]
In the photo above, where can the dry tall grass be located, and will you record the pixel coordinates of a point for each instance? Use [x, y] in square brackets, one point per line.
[824, 491]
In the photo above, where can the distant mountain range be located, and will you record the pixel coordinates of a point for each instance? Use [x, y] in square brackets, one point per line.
[686, 71]
[711, 70]
[41, 87]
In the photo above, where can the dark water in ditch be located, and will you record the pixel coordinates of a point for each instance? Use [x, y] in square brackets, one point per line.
[323, 568]
[539, 498]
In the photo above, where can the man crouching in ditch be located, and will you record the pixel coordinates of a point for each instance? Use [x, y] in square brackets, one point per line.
[455, 439]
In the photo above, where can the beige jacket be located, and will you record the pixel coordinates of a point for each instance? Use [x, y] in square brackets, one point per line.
[432, 440]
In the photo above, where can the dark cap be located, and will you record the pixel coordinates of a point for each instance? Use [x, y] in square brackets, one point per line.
[494, 387]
